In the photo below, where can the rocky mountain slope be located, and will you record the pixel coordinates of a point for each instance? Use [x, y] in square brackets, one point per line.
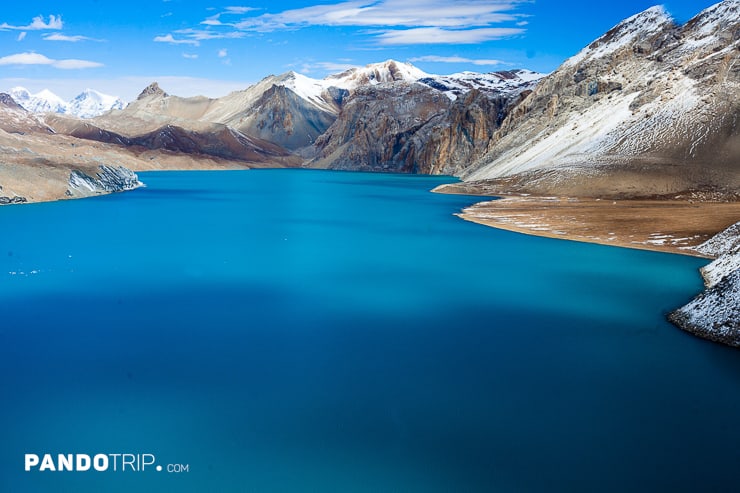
[418, 123]
[87, 104]
[649, 108]
[412, 128]
[158, 121]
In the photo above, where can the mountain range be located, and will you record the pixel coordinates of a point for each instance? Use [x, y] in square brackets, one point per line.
[87, 104]
[649, 108]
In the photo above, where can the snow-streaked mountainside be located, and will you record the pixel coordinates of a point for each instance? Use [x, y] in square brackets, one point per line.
[391, 71]
[624, 35]
[650, 99]
[88, 104]
[456, 85]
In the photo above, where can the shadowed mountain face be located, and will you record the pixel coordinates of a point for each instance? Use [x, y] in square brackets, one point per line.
[411, 128]
[648, 108]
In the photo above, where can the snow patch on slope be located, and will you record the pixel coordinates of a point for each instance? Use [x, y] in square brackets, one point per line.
[585, 133]
[458, 84]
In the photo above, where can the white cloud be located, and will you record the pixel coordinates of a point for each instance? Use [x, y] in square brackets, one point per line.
[30, 58]
[325, 67]
[72, 64]
[190, 56]
[399, 21]
[455, 59]
[436, 35]
[203, 35]
[239, 10]
[37, 24]
[215, 20]
[397, 13]
[64, 37]
[170, 39]
[223, 53]
[22, 35]
[26, 59]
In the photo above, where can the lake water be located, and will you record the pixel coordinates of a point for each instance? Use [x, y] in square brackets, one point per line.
[309, 331]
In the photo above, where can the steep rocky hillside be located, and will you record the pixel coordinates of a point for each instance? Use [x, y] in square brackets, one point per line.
[651, 107]
[402, 120]
[382, 128]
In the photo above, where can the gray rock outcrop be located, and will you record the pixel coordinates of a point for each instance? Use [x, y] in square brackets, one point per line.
[715, 313]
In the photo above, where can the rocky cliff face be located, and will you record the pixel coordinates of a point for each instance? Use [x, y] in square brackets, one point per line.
[414, 128]
[382, 128]
[715, 314]
[648, 99]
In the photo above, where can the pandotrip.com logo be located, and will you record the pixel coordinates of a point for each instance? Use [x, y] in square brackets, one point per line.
[99, 463]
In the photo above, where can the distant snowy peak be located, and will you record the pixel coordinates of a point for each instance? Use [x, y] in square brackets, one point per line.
[42, 102]
[508, 81]
[88, 104]
[376, 73]
[391, 71]
[626, 33]
[91, 103]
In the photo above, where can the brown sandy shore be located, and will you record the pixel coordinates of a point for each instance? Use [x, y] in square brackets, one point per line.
[672, 226]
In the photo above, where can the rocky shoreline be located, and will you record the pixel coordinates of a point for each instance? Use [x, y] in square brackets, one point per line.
[676, 226]
[715, 313]
[108, 179]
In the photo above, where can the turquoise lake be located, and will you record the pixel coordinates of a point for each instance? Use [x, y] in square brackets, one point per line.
[313, 331]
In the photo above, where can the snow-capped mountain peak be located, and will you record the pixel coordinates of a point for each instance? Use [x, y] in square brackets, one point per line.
[91, 103]
[87, 104]
[629, 31]
[376, 73]
[42, 102]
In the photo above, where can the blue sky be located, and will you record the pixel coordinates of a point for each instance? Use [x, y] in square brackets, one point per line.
[212, 48]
